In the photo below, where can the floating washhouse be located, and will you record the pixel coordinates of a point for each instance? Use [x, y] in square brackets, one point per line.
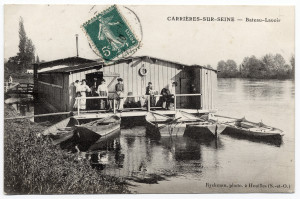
[195, 91]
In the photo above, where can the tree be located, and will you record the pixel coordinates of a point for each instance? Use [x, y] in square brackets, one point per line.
[292, 61]
[22, 43]
[29, 52]
[232, 67]
[37, 59]
[252, 68]
[276, 66]
[25, 56]
[227, 69]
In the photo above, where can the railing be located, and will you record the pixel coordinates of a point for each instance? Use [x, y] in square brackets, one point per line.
[19, 88]
[131, 96]
[8, 85]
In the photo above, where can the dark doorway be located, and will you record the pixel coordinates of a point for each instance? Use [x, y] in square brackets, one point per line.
[93, 104]
[91, 76]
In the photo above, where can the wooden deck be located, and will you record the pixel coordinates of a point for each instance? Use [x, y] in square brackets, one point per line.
[140, 113]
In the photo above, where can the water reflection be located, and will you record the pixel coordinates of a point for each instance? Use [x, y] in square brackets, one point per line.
[129, 155]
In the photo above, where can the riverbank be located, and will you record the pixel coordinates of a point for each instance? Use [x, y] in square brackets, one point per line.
[32, 165]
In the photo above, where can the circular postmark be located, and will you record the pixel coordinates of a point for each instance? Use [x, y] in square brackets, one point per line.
[113, 34]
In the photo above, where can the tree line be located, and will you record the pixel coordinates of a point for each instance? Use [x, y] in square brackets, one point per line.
[268, 67]
[25, 57]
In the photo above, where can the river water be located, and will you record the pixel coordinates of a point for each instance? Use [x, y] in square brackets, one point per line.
[183, 165]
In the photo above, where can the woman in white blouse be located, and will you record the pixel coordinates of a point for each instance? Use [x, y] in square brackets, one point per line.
[83, 88]
[103, 92]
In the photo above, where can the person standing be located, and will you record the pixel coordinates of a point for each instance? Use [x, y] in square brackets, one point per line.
[77, 85]
[171, 96]
[193, 103]
[119, 94]
[149, 91]
[84, 89]
[94, 103]
[165, 92]
[103, 92]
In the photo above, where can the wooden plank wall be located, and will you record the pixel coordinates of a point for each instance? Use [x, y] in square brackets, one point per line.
[160, 73]
[50, 87]
[208, 83]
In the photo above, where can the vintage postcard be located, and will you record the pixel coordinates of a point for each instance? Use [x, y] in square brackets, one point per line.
[149, 99]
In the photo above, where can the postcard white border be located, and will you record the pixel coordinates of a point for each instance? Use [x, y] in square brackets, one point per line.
[162, 2]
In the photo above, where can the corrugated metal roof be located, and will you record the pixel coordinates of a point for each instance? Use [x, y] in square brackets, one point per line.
[88, 66]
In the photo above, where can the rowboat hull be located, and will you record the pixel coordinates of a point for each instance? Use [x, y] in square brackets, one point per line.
[93, 131]
[157, 130]
[103, 142]
[257, 132]
[158, 125]
[204, 130]
[61, 131]
[251, 135]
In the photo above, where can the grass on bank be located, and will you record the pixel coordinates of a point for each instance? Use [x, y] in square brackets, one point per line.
[33, 165]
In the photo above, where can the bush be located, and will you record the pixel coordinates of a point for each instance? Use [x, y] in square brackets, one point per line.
[32, 165]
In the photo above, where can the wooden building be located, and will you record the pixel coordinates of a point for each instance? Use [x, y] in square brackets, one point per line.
[54, 81]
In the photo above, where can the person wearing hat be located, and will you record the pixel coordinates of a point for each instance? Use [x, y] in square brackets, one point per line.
[119, 94]
[103, 92]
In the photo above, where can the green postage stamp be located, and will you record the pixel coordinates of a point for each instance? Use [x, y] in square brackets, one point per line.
[110, 36]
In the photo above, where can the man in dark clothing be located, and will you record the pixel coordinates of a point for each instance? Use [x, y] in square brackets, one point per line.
[168, 96]
[165, 97]
[94, 103]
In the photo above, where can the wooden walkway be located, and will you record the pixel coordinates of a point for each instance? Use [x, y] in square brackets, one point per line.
[136, 113]
[8, 86]
[19, 88]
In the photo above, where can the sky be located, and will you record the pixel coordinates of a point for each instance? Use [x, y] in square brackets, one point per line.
[52, 29]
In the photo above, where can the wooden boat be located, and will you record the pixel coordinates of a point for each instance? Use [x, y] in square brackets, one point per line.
[244, 129]
[102, 128]
[161, 125]
[204, 130]
[62, 130]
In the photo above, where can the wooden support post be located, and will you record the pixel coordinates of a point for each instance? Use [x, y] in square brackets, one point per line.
[174, 102]
[78, 107]
[200, 101]
[114, 106]
[149, 104]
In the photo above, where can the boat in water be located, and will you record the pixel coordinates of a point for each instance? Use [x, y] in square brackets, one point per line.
[62, 130]
[162, 125]
[204, 130]
[244, 129]
[98, 130]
